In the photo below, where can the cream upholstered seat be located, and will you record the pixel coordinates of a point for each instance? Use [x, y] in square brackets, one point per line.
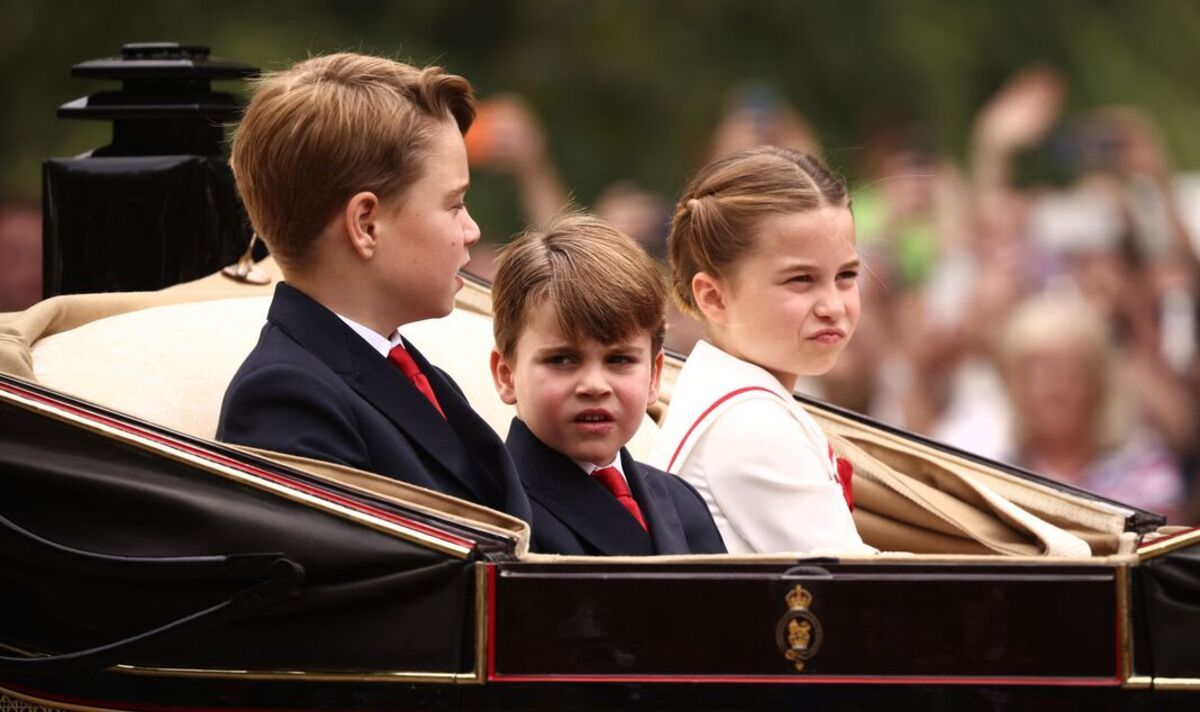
[167, 364]
[170, 364]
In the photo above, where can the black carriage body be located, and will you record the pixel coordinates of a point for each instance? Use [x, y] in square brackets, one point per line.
[401, 609]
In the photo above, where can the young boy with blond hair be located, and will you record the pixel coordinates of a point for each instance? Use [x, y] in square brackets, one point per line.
[353, 171]
[579, 325]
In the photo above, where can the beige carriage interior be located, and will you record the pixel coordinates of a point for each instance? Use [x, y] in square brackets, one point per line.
[167, 356]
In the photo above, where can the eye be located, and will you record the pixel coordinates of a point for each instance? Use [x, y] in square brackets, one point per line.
[561, 359]
[622, 359]
[850, 275]
[800, 279]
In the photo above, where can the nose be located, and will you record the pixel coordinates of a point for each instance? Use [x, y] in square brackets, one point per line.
[830, 304]
[592, 382]
[471, 232]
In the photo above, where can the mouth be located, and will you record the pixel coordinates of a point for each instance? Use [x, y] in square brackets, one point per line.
[828, 336]
[594, 420]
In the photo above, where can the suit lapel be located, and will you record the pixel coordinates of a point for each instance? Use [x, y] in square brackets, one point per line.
[658, 508]
[380, 383]
[386, 388]
[581, 503]
[476, 439]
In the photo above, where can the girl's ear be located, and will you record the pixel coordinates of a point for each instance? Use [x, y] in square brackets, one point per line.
[709, 293]
[503, 376]
[359, 218]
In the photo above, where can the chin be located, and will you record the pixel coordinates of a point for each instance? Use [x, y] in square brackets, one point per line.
[442, 310]
[820, 363]
[594, 456]
[820, 370]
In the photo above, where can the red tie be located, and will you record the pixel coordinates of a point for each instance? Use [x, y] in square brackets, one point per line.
[612, 480]
[404, 360]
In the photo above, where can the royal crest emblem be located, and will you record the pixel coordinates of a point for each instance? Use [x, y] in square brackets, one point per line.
[798, 633]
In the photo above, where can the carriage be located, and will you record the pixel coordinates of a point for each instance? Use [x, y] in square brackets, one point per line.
[145, 566]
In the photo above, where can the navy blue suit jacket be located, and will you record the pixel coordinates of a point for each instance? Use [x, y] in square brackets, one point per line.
[574, 514]
[315, 388]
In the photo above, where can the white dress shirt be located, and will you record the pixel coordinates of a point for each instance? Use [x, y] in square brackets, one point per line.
[590, 467]
[374, 338]
[761, 463]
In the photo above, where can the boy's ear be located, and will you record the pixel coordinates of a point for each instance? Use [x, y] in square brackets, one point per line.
[710, 299]
[359, 218]
[655, 379]
[503, 376]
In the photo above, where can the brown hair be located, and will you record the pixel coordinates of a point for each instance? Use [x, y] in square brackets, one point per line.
[716, 216]
[328, 127]
[602, 284]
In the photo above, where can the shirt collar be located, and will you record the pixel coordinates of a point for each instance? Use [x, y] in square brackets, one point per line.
[728, 369]
[589, 467]
[377, 342]
[724, 370]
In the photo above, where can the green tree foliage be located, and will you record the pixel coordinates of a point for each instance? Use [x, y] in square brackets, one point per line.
[632, 88]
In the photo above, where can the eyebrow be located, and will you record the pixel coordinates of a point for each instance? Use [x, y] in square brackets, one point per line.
[625, 349]
[460, 190]
[800, 266]
[555, 349]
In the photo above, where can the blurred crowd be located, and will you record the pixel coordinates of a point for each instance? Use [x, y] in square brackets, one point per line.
[1034, 303]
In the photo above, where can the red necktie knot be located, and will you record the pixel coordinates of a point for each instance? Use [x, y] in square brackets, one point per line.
[614, 482]
[404, 361]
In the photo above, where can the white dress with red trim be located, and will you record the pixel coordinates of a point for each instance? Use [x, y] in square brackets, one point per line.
[761, 463]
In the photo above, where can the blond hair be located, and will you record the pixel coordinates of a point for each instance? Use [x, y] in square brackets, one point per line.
[1054, 320]
[602, 284]
[716, 217]
[328, 127]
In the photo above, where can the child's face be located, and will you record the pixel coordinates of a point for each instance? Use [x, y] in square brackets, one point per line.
[791, 304]
[430, 230]
[585, 399]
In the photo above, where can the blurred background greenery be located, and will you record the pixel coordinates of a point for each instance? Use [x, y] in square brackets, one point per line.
[631, 89]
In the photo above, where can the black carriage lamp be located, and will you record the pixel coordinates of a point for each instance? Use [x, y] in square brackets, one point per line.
[157, 206]
[165, 104]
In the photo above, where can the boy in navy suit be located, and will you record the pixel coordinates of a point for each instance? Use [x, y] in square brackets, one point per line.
[353, 171]
[579, 325]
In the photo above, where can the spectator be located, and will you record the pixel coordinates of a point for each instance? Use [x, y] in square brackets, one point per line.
[1073, 418]
[756, 114]
[508, 137]
[21, 248]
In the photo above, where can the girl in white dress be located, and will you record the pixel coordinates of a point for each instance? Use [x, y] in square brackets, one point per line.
[762, 251]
